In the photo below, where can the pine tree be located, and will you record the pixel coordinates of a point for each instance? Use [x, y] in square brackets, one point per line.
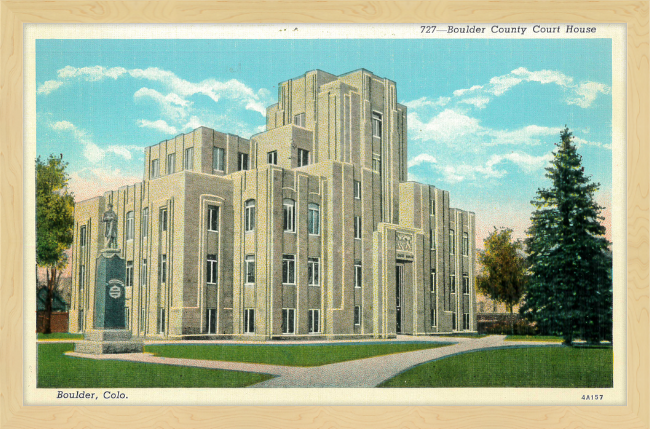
[570, 287]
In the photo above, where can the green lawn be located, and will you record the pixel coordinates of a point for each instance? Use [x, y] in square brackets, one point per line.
[547, 338]
[521, 367]
[60, 336]
[60, 371]
[293, 355]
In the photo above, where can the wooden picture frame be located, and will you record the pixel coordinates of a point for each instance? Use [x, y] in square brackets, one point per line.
[17, 13]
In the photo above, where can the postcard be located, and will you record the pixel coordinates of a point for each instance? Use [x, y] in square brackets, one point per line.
[304, 214]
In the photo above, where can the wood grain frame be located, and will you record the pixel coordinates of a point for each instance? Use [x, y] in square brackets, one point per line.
[13, 414]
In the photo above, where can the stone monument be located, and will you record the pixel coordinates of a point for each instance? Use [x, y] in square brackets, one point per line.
[110, 333]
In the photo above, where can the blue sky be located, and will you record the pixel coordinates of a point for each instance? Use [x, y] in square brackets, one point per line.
[484, 115]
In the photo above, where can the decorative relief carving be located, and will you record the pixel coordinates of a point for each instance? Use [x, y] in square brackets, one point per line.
[404, 242]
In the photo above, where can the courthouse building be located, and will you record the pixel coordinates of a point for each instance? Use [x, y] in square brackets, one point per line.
[309, 228]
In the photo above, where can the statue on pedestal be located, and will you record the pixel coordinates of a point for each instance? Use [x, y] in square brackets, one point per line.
[110, 233]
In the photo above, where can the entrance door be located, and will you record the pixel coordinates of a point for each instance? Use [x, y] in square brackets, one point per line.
[399, 280]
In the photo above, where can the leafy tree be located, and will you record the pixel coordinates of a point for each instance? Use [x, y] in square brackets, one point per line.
[570, 288]
[54, 224]
[503, 268]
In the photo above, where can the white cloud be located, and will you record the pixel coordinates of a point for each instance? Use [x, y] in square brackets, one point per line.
[585, 93]
[171, 105]
[479, 102]
[93, 73]
[500, 84]
[447, 126]
[91, 151]
[63, 125]
[159, 125]
[460, 92]
[426, 102]
[422, 158]
[579, 142]
[48, 86]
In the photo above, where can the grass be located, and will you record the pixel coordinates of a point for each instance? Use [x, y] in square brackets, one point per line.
[60, 336]
[55, 370]
[292, 355]
[547, 338]
[521, 367]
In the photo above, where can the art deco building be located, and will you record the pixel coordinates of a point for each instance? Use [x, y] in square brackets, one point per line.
[307, 229]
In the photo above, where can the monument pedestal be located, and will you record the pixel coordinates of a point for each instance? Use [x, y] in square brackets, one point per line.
[108, 341]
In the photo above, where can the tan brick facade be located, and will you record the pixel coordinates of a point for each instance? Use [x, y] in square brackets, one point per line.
[306, 229]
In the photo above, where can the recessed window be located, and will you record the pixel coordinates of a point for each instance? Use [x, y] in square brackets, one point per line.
[289, 269]
[289, 207]
[249, 320]
[82, 236]
[171, 163]
[189, 158]
[272, 157]
[313, 271]
[155, 169]
[433, 314]
[313, 320]
[162, 268]
[452, 242]
[217, 159]
[299, 120]
[82, 276]
[211, 269]
[466, 321]
[376, 124]
[288, 320]
[145, 222]
[452, 283]
[433, 281]
[161, 320]
[358, 273]
[213, 218]
[465, 244]
[303, 157]
[357, 189]
[249, 269]
[249, 216]
[127, 317]
[432, 207]
[357, 227]
[163, 219]
[432, 237]
[242, 161]
[453, 321]
[465, 284]
[357, 315]
[143, 273]
[313, 219]
[211, 320]
[376, 164]
[130, 225]
[129, 273]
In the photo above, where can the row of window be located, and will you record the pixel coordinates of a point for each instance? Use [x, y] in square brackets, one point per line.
[289, 210]
[288, 270]
[452, 241]
[452, 283]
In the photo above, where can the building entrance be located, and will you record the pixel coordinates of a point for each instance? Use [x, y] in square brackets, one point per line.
[399, 280]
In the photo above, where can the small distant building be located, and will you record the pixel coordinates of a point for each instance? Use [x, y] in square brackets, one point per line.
[309, 228]
[59, 317]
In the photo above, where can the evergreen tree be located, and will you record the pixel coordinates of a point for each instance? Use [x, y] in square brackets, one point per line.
[570, 287]
[54, 224]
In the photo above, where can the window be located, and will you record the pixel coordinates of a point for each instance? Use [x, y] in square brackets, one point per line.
[155, 169]
[211, 320]
[299, 120]
[82, 276]
[171, 163]
[217, 159]
[189, 158]
[433, 314]
[357, 315]
[432, 237]
[452, 283]
[289, 269]
[272, 157]
[432, 207]
[313, 219]
[127, 317]
[357, 227]
[162, 269]
[249, 267]
[303, 157]
[249, 320]
[143, 273]
[145, 222]
[213, 218]
[376, 124]
[357, 190]
[163, 219]
[465, 285]
[288, 320]
[82, 236]
[211, 273]
[129, 273]
[452, 242]
[249, 216]
[357, 274]
[465, 244]
[376, 163]
[466, 321]
[289, 215]
[453, 321]
[130, 226]
[143, 320]
[161, 320]
[433, 281]
[81, 320]
[313, 271]
[242, 161]
[313, 320]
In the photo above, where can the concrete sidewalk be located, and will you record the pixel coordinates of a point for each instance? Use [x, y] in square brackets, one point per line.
[368, 372]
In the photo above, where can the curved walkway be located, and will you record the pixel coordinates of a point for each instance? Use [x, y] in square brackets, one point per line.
[368, 372]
